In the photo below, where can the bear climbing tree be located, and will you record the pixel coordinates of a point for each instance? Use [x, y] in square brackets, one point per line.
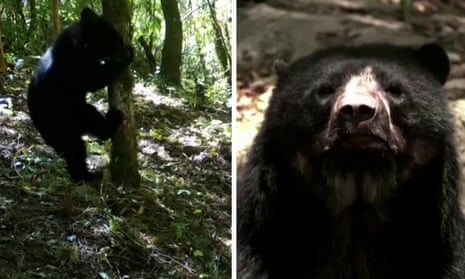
[87, 56]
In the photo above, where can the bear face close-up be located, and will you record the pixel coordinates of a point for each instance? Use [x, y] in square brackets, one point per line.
[354, 173]
[87, 56]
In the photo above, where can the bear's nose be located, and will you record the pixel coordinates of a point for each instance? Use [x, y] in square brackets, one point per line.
[355, 108]
[357, 113]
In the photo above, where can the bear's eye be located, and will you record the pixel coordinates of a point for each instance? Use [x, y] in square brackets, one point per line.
[324, 91]
[102, 62]
[395, 91]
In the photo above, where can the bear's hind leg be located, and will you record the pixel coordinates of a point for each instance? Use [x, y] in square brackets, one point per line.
[73, 150]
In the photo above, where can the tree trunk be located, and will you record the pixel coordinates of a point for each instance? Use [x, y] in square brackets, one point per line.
[170, 69]
[56, 18]
[221, 46]
[18, 6]
[124, 169]
[148, 54]
[33, 18]
[2, 59]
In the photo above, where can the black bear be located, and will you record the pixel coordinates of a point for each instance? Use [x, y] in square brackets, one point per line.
[87, 56]
[353, 174]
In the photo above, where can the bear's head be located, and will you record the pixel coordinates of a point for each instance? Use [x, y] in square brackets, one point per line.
[362, 119]
[104, 53]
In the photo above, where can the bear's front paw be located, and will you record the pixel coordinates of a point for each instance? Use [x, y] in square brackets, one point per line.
[114, 119]
[114, 116]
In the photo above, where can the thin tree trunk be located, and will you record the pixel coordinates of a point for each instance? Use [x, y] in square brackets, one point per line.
[221, 46]
[124, 168]
[148, 54]
[56, 18]
[170, 69]
[33, 16]
[19, 11]
[3, 66]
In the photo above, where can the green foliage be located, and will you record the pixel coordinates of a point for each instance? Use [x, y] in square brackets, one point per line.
[147, 19]
[179, 229]
[201, 64]
[28, 30]
[406, 6]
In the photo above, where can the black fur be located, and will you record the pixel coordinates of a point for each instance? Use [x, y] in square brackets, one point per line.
[294, 223]
[87, 56]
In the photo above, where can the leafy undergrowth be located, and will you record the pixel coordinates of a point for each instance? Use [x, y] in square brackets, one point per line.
[177, 225]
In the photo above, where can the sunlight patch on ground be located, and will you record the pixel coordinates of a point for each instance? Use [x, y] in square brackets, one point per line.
[202, 131]
[150, 148]
[152, 94]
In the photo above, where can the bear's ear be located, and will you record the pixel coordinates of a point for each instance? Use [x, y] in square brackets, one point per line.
[280, 67]
[87, 15]
[435, 59]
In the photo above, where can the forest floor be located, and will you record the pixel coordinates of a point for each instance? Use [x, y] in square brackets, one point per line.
[287, 30]
[176, 225]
